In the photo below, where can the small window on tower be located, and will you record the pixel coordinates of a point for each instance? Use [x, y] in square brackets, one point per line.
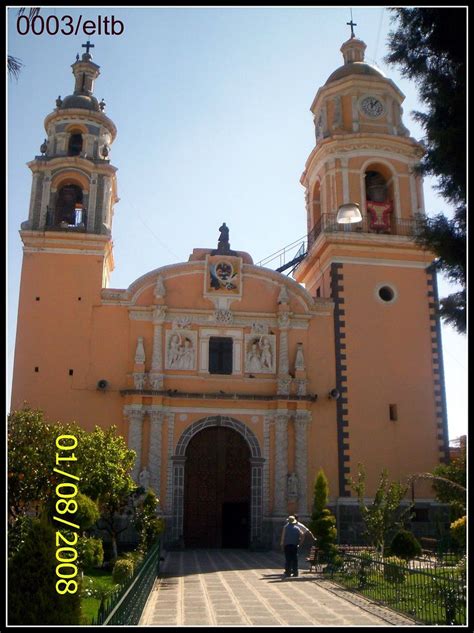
[220, 355]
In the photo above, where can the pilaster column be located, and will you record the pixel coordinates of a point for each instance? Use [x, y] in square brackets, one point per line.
[170, 452]
[154, 455]
[178, 497]
[284, 379]
[45, 198]
[281, 462]
[135, 415]
[266, 471]
[302, 419]
[92, 202]
[256, 510]
[155, 376]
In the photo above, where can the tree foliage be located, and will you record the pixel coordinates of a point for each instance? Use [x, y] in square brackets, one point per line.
[385, 515]
[14, 65]
[430, 46]
[147, 524]
[105, 463]
[446, 492]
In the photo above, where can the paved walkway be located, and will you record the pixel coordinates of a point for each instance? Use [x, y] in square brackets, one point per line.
[238, 587]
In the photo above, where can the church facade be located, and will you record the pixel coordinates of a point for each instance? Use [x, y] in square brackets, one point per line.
[233, 383]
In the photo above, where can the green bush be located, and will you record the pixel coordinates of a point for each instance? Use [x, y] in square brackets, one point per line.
[457, 530]
[90, 552]
[123, 571]
[32, 595]
[136, 557]
[394, 569]
[405, 545]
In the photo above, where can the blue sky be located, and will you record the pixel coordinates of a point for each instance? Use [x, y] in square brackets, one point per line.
[212, 111]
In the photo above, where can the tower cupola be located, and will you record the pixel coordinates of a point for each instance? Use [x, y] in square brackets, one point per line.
[74, 184]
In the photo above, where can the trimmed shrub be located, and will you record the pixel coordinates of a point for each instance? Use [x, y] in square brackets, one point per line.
[365, 562]
[123, 571]
[405, 545]
[394, 569]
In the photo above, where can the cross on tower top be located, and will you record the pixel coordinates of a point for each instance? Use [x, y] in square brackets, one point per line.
[87, 46]
[352, 25]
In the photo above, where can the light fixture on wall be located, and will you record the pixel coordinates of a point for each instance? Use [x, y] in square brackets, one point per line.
[334, 394]
[348, 214]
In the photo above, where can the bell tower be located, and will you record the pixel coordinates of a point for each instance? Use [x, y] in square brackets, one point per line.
[387, 337]
[67, 238]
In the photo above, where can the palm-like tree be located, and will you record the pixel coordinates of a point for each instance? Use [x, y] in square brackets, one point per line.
[14, 64]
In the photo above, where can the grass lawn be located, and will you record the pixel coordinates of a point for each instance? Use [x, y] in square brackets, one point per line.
[98, 580]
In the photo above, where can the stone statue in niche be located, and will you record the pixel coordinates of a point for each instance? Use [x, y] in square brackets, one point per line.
[283, 297]
[140, 351]
[160, 290]
[299, 361]
[180, 352]
[292, 486]
[144, 478]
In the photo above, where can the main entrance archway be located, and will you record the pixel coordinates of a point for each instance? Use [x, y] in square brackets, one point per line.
[217, 485]
[217, 490]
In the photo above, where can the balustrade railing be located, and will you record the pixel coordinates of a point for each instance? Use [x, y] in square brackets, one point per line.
[328, 224]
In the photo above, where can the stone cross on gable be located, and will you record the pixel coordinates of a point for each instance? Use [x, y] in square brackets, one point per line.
[87, 46]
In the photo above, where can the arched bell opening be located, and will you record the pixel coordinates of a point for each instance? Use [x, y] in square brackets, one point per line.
[379, 197]
[75, 144]
[69, 210]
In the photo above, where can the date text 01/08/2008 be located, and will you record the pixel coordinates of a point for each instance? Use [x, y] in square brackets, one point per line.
[66, 554]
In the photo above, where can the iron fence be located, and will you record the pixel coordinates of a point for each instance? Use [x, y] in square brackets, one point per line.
[126, 604]
[429, 590]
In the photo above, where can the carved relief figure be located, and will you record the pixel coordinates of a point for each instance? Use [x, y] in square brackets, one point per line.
[266, 353]
[180, 352]
[173, 352]
[259, 355]
[253, 359]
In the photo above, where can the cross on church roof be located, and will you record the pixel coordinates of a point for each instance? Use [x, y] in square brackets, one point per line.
[352, 25]
[87, 46]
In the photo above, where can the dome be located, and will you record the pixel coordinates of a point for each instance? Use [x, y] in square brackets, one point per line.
[354, 68]
[80, 101]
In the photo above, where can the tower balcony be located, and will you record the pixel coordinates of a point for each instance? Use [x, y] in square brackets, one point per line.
[397, 226]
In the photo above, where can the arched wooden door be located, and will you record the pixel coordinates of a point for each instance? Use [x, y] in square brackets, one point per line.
[217, 489]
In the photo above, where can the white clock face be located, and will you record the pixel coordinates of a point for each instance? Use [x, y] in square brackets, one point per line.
[372, 107]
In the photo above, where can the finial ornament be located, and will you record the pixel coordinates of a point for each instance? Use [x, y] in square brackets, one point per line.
[59, 102]
[352, 25]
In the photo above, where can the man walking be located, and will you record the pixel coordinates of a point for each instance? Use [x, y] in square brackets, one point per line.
[291, 538]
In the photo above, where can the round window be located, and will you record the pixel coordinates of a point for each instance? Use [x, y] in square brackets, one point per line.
[386, 294]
